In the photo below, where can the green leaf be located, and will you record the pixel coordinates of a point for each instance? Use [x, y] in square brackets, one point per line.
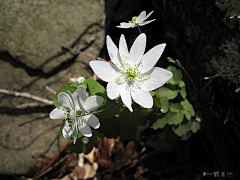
[157, 102]
[181, 84]
[80, 147]
[195, 127]
[141, 113]
[171, 60]
[127, 126]
[63, 89]
[183, 92]
[94, 87]
[187, 114]
[186, 136]
[188, 107]
[182, 129]
[160, 123]
[164, 105]
[177, 75]
[84, 84]
[109, 128]
[166, 92]
[176, 107]
[174, 118]
[107, 103]
[152, 93]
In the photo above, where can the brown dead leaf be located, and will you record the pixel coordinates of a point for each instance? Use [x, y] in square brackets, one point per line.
[90, 170]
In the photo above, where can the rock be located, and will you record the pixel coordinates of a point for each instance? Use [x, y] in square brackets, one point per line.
[34, 31]
[31, 58]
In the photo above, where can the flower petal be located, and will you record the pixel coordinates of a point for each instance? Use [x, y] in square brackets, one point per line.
[92, 103]
[126, 25]
[81, 91]
[67, 130]
[158, 77]
[75, 133]
[151, 57]
[113, 90]
[85, 130]
[104, 70]
[113, 52]
[71, 100]
[149, 14]
[64, 99]
[141, 17]
[92, 120]
[146, 22]
[137, 49]
[57, 113]
[123, 49]
[143, 98]
[126, 96]
[72, 115]
[74, 95]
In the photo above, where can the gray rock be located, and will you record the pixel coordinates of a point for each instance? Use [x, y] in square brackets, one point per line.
[32, 34]
[34, 31]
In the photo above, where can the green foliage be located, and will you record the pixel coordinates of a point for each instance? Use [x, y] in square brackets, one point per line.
[166, 92]
[81, 147]
[228, 65]
[177, 75]
[174, 108]
[94, 87]
[124, 126]
[232, 12]
[164, 104]
[107, 104]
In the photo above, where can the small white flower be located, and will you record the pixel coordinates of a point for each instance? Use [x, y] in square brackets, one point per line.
[76, 110]
[137, 21]
[80, 80]
[132, 75]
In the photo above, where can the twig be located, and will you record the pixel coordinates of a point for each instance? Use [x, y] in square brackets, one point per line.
[46, 168]
[28, 105]
[50, 89]
[26, 95]
[84, 53]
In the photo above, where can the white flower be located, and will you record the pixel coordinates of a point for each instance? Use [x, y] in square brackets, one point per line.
[75, 110]
[80, 80]
[132, 75]
[137, 21]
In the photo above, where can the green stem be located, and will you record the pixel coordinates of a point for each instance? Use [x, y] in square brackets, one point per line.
[191, 80]
[139, 29]
[220, 74]
[102, 110]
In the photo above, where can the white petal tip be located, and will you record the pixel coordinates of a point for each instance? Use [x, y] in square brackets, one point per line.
[88, 135]
[96, 127]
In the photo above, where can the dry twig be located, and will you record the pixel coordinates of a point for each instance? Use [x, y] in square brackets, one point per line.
[26, 95]
[50, 89]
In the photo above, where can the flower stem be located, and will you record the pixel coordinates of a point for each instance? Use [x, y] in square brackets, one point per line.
[139, 29]
[102, 110]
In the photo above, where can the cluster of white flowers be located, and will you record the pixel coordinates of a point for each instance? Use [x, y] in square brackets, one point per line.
[76, 110]
[131, 75]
